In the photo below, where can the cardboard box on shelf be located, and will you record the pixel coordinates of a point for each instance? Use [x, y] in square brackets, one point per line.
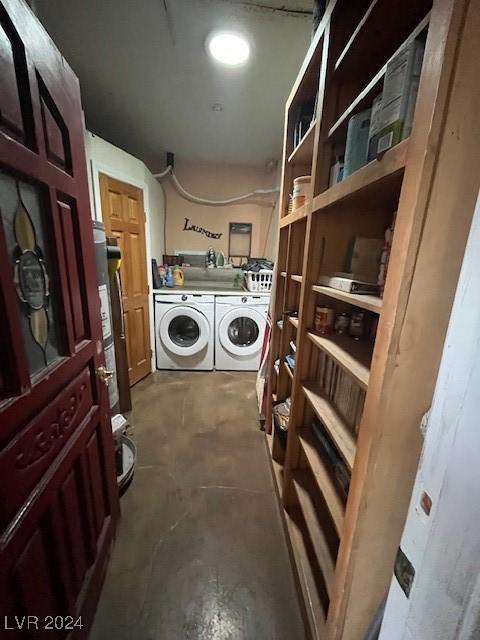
[400, 90]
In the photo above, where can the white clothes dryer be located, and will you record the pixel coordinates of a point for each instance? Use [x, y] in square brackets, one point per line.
[240, 323]
[184, 331]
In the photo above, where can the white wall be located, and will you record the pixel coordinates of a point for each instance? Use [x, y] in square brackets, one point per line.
[444, 547]
[103, 157]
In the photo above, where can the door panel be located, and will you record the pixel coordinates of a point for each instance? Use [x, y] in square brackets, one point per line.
[31, 452]
[136, 264]
[123, 216]
[58, 494]
[140, 340]
[128, 339]
[133, 210]
[115, 205]
[72, 259]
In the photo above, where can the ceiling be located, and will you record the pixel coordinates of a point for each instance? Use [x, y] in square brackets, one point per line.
[148, 85]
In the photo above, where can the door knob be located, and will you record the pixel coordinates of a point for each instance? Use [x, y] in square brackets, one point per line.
[104, 374]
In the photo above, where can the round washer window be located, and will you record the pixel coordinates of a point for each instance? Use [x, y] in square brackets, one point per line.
[183, 331]
[243, 332]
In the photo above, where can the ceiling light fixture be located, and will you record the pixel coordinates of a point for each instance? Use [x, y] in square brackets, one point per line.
[228, 48]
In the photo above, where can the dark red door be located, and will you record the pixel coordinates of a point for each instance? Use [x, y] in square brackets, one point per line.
[58, 498]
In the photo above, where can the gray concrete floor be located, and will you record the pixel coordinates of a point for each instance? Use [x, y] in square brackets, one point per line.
[200, 552]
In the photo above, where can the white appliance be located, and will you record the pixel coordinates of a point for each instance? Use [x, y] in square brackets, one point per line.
[239, 329]
[184, 331]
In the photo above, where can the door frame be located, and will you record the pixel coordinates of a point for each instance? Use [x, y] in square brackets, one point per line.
[95, 168]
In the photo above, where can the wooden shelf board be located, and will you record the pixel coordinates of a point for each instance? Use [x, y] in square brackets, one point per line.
[354, 37]
[341, 435]
[278, 476]
[303, 152]
[293, 321]
[297, 278]
[379, 18]
[306, 579]
[368, 302]
[378, 180]
[354, 356]
[317, 536]
[364, 99]
[269, 437]
[312, 57]
[294, 216]
[323, 479]
[277, 469]
[289, 371]
[339, 130]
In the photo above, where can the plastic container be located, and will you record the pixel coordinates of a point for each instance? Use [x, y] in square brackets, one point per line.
[259, 280]
[169, 277]
[178, 276]
[300, 188]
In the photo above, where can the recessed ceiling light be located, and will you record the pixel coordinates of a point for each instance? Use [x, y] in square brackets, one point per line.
[228, 48]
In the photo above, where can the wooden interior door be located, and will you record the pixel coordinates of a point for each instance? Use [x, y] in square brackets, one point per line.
[58, 494]
[124, 219]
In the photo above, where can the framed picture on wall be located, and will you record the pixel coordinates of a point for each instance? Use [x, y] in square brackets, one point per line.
[240, 240]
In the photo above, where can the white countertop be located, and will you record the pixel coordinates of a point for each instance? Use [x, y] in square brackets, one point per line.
[216, 289]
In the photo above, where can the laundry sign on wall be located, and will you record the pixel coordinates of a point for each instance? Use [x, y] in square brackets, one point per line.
[197, 229]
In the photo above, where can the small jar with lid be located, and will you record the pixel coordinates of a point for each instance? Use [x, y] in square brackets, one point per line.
[357, 325]
[342, 323]
[324, 320]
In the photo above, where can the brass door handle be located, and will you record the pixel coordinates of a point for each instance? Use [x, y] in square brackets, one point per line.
[104, 374]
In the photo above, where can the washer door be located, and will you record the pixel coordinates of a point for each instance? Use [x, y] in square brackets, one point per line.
[241, 331]
[184, 331]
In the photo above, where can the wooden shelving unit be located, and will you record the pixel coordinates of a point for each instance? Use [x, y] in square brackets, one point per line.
[376, 181]
[294, 216]
[288, 370]
[302, 486]
[338, 431]
[354, 357]
[370, 303]
[325, 484]
[343, 546]
[293, 321]
[304, 150]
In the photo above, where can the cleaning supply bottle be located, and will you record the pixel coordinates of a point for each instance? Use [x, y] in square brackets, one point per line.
[169, 277]
[162, 272]
[220, 259]
[178, 276]
[210, 261]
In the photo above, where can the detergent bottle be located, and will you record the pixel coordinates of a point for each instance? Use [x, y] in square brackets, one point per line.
[178, 276]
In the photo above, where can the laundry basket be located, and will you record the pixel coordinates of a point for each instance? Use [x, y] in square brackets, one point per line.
[259, 280]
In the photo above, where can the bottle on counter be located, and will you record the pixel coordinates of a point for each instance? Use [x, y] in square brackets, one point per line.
[169, 277]
[178, 276]
[162, 273]
[210, 260]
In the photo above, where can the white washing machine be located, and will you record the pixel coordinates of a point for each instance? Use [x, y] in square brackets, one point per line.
[184, 331]
[239, 329]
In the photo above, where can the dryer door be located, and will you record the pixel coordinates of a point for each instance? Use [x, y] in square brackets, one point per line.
[241, 330]
[184, 330]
